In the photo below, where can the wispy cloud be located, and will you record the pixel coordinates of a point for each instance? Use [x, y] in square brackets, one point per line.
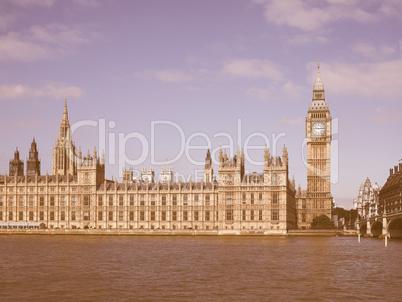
[52, 90]
[50, 3]
[7, 20]
[314, 15]
[168, 75]
[373, 52]
[252, 68]
[386, 117]
[31, 3]
[277, 91]
[44, 42]
[284, 121]
[370, 80]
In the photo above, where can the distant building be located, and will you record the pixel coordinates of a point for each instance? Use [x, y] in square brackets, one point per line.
[367, 201]
[391, 193]
[33, 162]
[16, 166]
[317, 199]
[77, 194]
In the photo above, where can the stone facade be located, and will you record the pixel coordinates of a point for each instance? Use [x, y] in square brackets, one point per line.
[391, 193]
[317, 199]
[16, 166]
[367, 202]
[77, 194]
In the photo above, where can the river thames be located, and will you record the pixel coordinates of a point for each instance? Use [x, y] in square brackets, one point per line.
[96, 268]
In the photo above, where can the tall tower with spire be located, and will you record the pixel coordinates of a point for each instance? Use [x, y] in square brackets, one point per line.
[208, 169]
[33, 162]
[16, 166]
[318, 135]
[64, 155]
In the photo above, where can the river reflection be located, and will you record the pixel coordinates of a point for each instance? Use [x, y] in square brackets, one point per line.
[91, 268]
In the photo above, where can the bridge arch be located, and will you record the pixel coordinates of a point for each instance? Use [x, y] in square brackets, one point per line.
[363, 229]
[376, 229]
[395, 228]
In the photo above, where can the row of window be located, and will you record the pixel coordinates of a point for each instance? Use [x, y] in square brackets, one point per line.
[274, 198]
[111, 215]
[42, 189]
[254, 215]
[110, 200]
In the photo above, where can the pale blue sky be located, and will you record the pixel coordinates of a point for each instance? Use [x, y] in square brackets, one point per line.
[203, 65]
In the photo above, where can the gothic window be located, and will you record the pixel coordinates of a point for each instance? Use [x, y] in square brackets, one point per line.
[229, 199]
[275, 215]
[229, 214]
[275, 198]
[100, 215]
[51, 201]
[207, 215]
[163, 215]
[274, 179]
[252, 215]
[207, 199]
[196, 216]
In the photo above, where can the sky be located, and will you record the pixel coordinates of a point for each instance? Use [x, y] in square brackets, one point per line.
[149, 80]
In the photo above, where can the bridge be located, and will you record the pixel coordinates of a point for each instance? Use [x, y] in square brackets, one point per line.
[389, 225]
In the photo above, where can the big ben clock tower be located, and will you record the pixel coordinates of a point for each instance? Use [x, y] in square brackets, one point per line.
[318, 135]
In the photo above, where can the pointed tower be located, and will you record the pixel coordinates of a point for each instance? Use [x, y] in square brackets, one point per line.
[318, 135]
[64, 156]
[16, 166]
[208, 169]
[33, 162]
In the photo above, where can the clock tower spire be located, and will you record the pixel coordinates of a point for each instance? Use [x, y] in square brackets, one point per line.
[318, 136]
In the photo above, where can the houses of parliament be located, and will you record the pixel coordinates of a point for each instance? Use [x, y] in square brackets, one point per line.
[77, 194]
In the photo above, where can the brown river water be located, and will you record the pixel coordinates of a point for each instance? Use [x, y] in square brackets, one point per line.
[96, 268]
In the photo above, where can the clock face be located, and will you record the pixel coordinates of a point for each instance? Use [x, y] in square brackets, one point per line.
[318, 128]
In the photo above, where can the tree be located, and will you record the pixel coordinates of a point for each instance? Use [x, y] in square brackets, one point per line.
[349, 215]
[322, 222]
